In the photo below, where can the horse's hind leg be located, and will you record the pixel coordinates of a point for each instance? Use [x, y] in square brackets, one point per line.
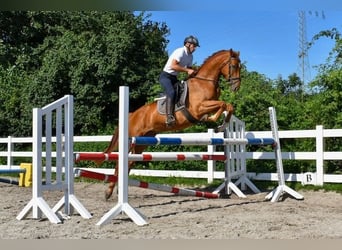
[109, 191]
[112, 185]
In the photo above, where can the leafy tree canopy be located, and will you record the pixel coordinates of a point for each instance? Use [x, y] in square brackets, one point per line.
[45, 55]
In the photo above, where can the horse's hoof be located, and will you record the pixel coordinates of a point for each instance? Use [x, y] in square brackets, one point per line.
[107, 195]
[219, 129]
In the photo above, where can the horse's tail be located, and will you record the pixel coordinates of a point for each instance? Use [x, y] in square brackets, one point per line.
[113, 144]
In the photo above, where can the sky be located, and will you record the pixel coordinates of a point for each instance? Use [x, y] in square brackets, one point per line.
[268, 41]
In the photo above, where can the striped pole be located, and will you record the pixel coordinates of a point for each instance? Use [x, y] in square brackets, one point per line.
[174, 190]
[151, 157]
[96, 156]
[141, 140]
[9, 181]
[142, 184]
[12, 171]
[95, 175]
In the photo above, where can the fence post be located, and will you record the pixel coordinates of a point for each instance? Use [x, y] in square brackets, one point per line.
[319, 155]
[211, 165]
[9, 152]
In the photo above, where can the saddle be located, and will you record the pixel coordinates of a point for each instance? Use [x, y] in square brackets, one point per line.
[181, 89]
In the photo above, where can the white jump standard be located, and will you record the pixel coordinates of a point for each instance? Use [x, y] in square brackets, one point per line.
[64, 160]
[123, 205]
[281, 188]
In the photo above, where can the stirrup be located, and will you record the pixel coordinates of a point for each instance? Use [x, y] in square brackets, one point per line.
[170, 120]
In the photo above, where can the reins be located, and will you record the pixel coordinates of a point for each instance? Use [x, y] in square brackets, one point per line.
[202, 78]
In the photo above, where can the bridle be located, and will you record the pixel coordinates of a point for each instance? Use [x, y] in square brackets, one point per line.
[231, 67]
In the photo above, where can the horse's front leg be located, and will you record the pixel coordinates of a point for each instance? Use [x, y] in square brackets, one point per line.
[225, 122]
[217, 108]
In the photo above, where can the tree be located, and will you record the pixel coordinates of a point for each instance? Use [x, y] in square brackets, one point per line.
[326, 100]
[252, 100]
[327, 87]
[86, 54]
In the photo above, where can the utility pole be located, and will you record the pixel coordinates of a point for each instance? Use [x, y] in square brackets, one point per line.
[304, 65]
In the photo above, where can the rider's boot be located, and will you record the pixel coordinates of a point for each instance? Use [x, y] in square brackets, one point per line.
[170, 107]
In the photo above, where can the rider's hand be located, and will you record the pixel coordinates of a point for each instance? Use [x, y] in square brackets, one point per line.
[190, 72]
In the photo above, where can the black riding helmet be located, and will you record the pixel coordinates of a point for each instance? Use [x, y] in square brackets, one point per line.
[191, 39]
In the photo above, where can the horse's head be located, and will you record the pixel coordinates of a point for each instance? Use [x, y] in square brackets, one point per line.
[231, 70]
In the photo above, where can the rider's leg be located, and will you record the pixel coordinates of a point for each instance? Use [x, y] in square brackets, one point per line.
[170, 109]
[167, 81]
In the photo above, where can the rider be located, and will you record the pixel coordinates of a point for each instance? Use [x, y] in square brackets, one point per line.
[179, 61]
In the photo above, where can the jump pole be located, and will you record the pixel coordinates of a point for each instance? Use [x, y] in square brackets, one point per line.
[151, 157]
[142, 140]
[9, 181]
[11, 171]
[143, 184]
[123, 205]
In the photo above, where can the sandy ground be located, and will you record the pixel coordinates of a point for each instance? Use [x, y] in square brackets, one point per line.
[318, 216]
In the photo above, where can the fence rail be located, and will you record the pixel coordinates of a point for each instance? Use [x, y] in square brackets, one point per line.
[319, 156]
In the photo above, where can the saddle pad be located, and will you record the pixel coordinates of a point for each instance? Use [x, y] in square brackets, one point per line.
[180, 99]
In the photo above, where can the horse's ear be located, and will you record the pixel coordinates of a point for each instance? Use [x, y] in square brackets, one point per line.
[231, 52]
[238, 53]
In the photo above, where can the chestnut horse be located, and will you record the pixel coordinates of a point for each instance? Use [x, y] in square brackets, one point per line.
[202, 103]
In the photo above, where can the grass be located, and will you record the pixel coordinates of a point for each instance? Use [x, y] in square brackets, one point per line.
[201, 183]
[335, 187]
[262, 185]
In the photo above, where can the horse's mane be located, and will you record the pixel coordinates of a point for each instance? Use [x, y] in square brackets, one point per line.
[213, 55]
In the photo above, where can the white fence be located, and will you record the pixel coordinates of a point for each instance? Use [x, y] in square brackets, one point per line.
[319, 155]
